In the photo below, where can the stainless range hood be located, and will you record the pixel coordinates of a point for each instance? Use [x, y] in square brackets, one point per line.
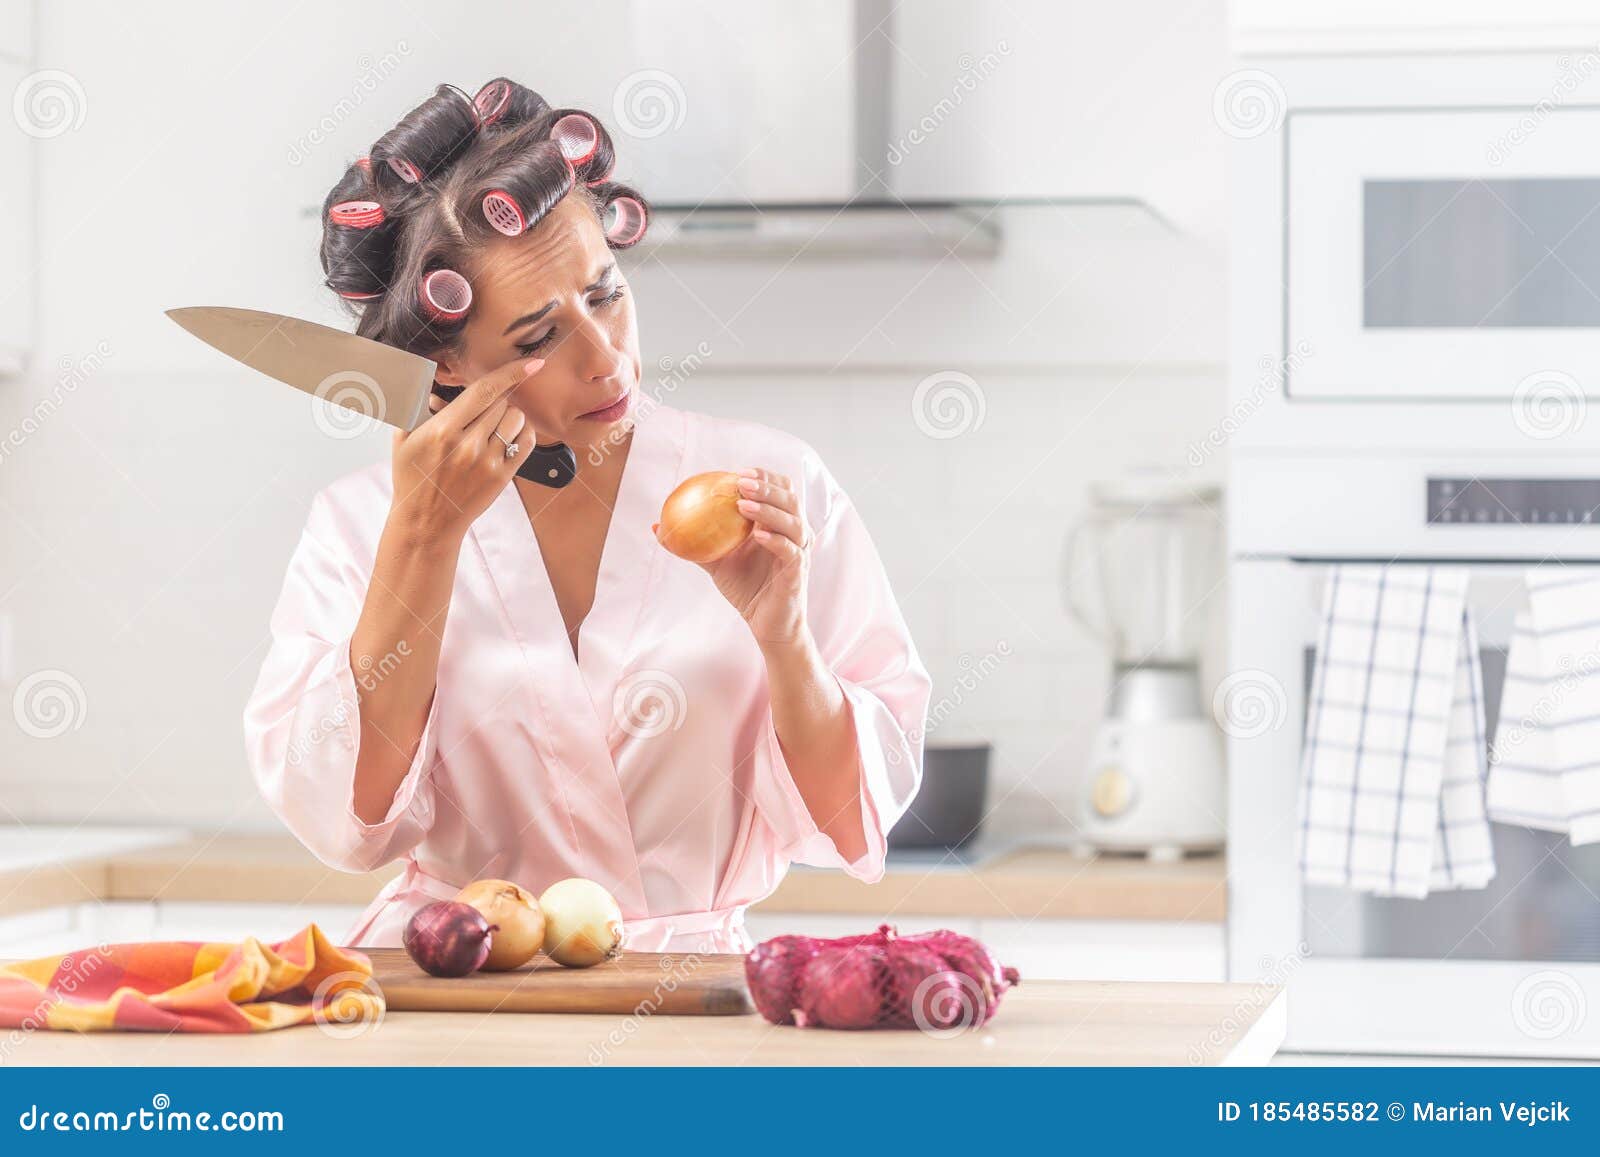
[882, 229]
[797, 160]
[857, 229]
[869, 220]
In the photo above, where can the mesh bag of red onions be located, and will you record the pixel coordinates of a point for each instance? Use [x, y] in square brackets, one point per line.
[936, 981]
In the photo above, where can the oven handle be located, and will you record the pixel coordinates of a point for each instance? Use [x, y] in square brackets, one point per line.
[1375, 560]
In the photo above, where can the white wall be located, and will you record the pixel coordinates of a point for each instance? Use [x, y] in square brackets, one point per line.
[146, 521]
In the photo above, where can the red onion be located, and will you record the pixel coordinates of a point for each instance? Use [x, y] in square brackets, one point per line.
[924, 991]
[939, 981]
[844, 988]
[773, 972]
[447, 938]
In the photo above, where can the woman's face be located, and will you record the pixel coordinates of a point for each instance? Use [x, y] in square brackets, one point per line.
[555, 293]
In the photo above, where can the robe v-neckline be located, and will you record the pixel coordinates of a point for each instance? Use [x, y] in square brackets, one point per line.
[572, 696]
[630, 559]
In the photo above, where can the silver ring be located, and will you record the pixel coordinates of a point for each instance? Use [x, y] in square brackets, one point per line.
[511, 447]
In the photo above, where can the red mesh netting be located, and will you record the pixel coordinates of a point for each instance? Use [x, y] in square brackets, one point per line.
[936, 981]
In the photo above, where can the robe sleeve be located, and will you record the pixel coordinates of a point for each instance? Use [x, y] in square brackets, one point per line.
[864, 641]
[302, 724]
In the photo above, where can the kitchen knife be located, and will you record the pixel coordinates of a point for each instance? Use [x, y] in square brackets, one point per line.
[346, 370]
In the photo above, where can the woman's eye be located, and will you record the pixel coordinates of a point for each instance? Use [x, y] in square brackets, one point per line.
[528, 349]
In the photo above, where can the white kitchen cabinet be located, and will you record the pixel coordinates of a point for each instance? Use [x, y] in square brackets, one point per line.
[17, 228]
[80, 926]
[233, 921]
[1107, 949]
[43, 933]
[16, 29]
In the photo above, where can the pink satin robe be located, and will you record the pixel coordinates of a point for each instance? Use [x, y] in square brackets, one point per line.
[649, 765]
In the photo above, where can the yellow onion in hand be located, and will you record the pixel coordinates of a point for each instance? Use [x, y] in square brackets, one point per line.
[514, 915]
[582, 923]
[700, 520]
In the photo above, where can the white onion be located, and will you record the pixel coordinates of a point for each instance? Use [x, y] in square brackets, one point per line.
[582, 923]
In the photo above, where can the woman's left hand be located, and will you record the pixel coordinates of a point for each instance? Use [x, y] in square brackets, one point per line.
[765, 576]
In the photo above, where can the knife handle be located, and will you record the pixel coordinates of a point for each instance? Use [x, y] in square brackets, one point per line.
[553, 465]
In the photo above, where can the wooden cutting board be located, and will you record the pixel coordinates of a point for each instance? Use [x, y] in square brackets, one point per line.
[702, 984]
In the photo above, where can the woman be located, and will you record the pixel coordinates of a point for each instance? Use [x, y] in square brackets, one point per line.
[482, 676]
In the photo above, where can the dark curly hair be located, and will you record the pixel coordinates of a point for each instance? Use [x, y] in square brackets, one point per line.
[419, 202]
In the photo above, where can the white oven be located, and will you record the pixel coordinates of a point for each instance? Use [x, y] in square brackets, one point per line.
[1512, 969]
[1414, 342]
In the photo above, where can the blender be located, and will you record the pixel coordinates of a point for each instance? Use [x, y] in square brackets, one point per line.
[1140, 572]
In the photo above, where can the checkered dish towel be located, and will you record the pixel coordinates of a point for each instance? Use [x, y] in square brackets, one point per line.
[1545, 769]
[1394, 758]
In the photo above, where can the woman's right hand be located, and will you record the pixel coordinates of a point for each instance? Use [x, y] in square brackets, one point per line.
[450, 468]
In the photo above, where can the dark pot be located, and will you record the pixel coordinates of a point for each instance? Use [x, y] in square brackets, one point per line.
[948, 810]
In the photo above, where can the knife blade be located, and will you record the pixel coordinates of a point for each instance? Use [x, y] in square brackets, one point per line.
[344, 369]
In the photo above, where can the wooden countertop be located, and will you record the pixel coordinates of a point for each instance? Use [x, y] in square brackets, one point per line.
[1026, 884]
[1040, 1023]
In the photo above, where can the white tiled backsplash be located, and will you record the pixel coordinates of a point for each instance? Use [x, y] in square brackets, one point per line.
[164, 624]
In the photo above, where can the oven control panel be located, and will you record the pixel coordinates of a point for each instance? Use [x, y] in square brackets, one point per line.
[1513, 501]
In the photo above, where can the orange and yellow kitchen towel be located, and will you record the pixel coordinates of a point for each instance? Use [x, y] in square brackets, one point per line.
[189, 987]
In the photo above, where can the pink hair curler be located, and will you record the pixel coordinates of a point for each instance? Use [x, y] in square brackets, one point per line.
[445, 295]
[405, 170]
[501, 210]
[603, 177]
[576, 136]
[492, 100]
[356, 214]
[624, 221]
[365, 165]
[360, 296]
